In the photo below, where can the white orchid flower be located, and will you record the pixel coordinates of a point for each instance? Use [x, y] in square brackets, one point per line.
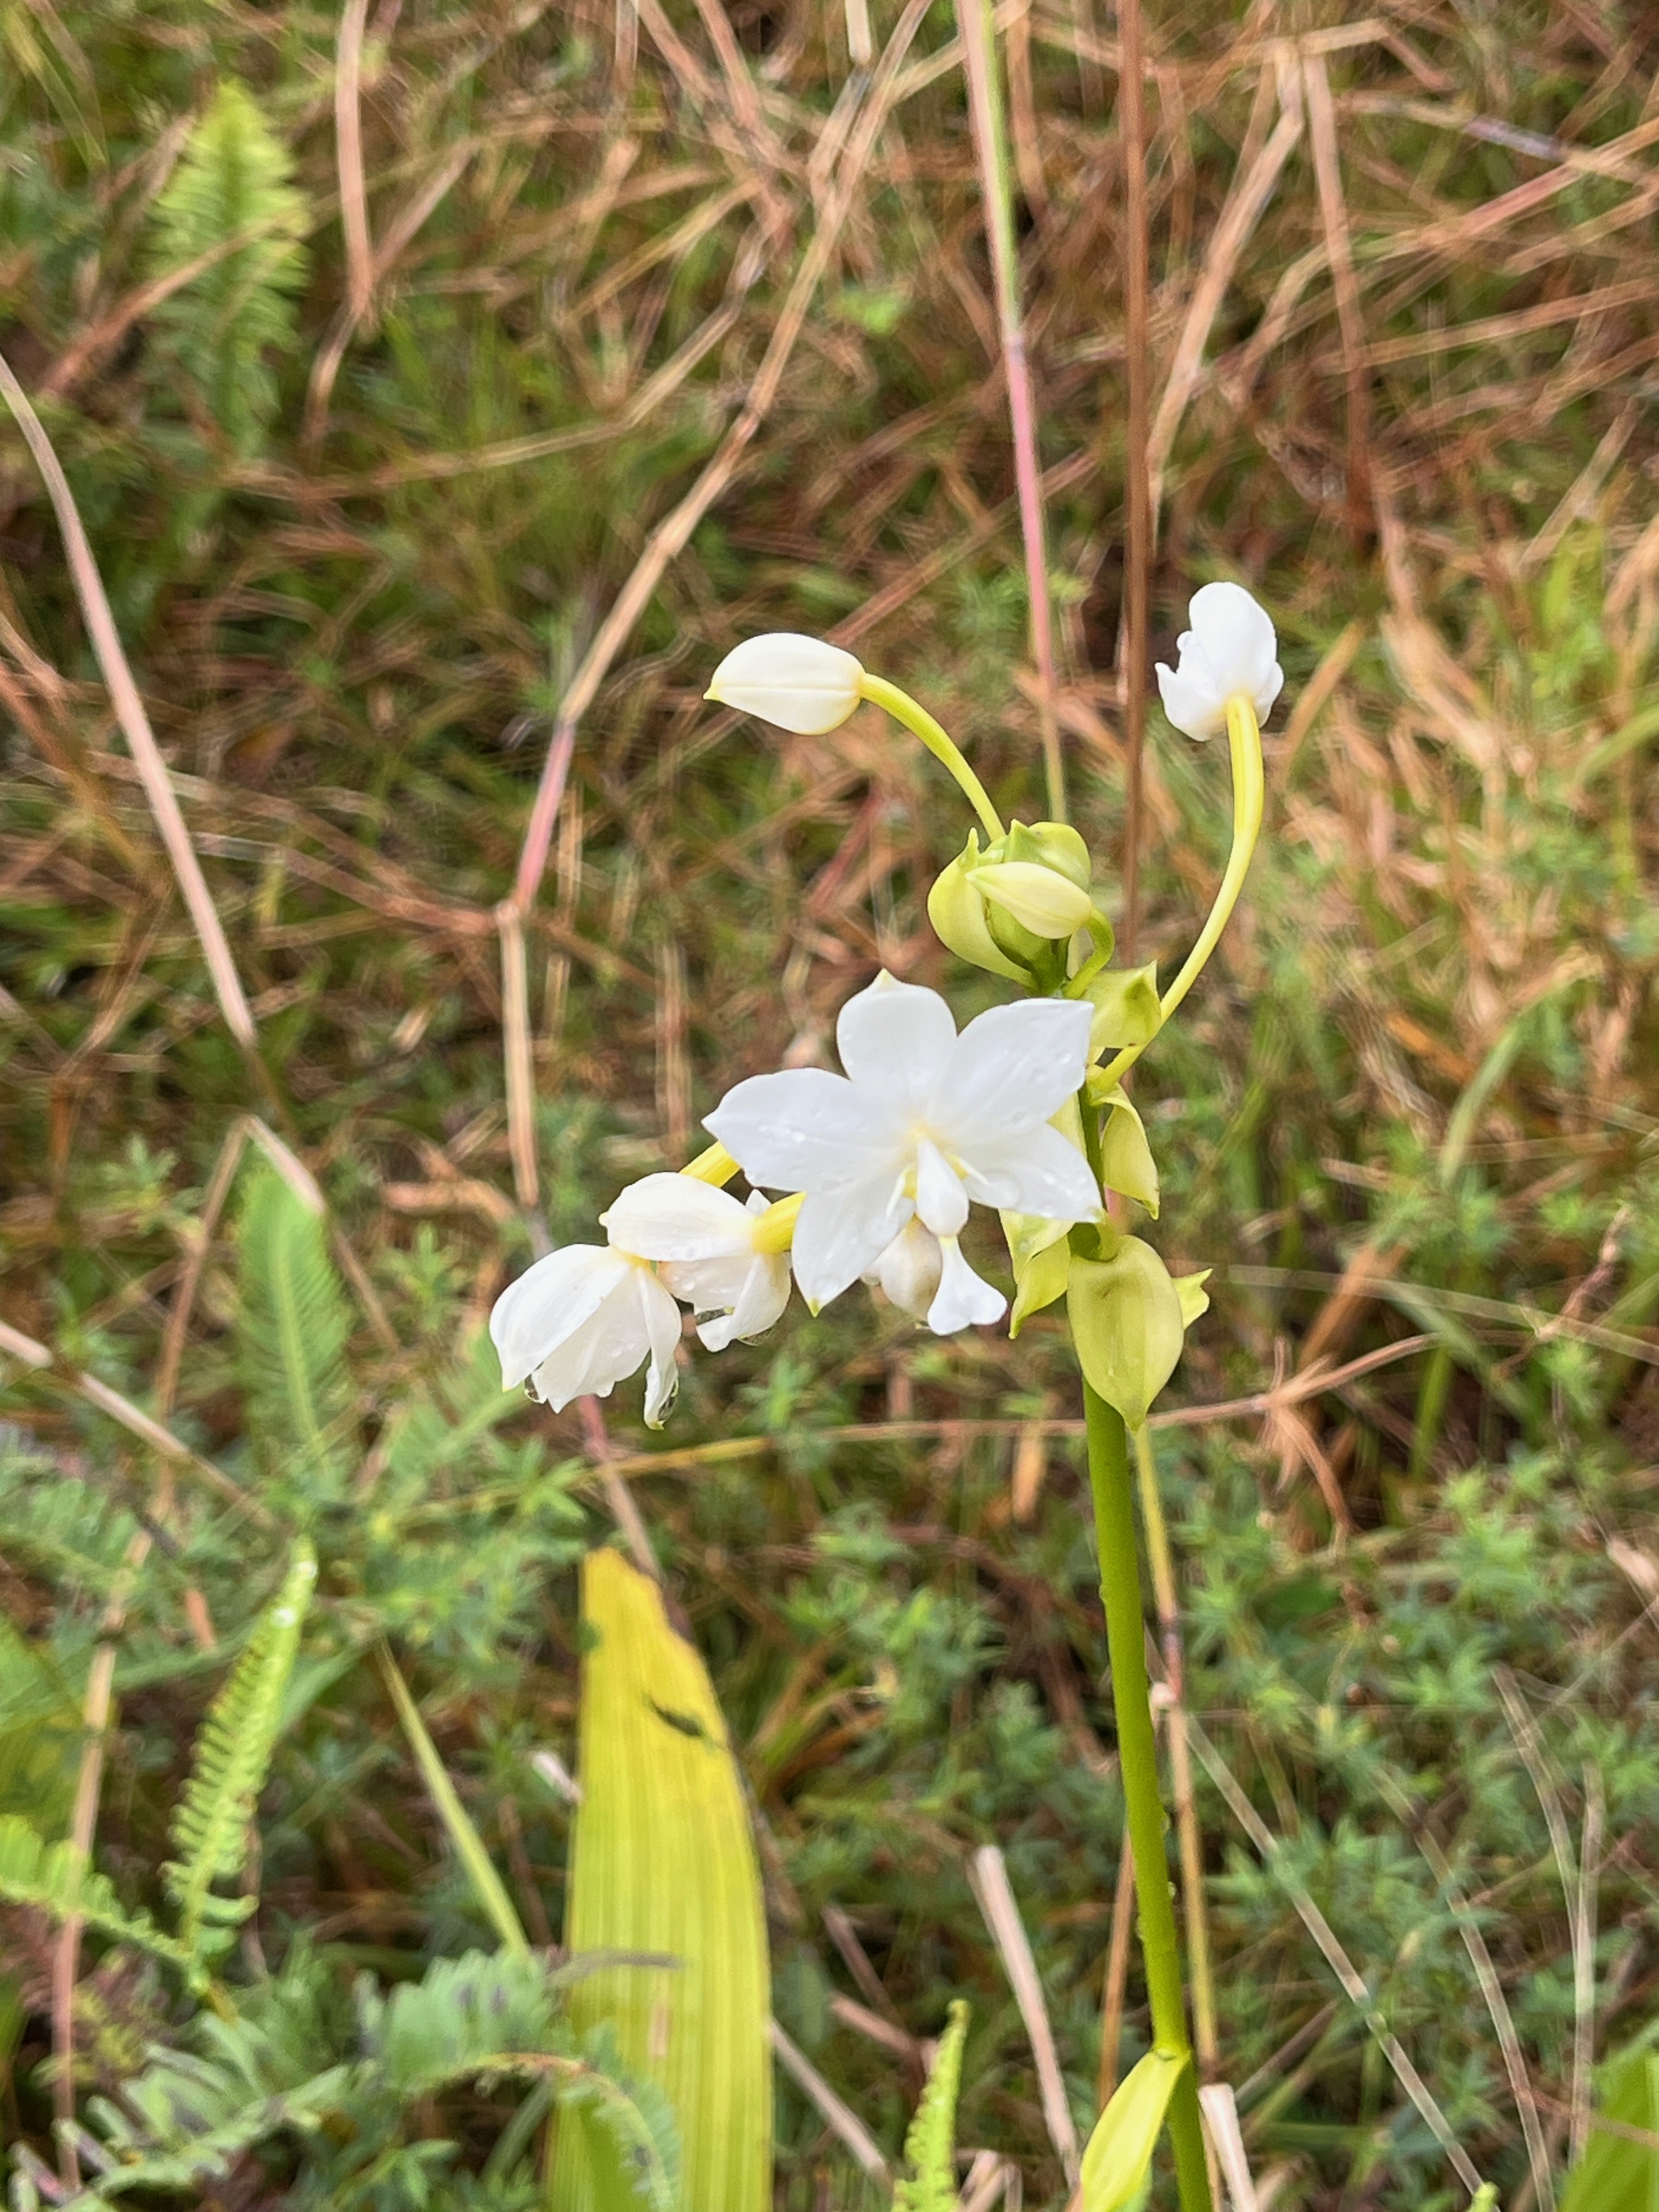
[922, 1122]
[582, 1320]
[1229, 652]
[710, 1251]
[799, 683]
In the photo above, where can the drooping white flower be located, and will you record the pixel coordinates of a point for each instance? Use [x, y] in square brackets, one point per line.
[704, 1242]
[922, 1122]
[800, 683]
[1230, 652]
[581, 1320]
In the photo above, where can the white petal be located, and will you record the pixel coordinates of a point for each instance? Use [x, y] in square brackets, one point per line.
[941, 1201]
[908, 1270]
[548, 1303]
[804, 1129]
[841, 1235]
[963, 1298]
[708, 1286]
[762, 1296]
[1237, 636]
[1196, 711]
[800, 683]
[896, 1042]
[609, 1344]
[1012, 1069]
[676, 1216]
[659, 1321]
[1038, 1172]
[1267, 691]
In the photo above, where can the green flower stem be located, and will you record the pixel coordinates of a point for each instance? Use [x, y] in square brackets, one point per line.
[1125, 1637]
[1244, 743]
[920, 724]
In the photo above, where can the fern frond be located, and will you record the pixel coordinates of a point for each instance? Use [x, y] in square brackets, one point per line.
[462, 2017]
[930, 2148]
[54, 1879]
[233, 181]
[290, 1340]
[233, 1755]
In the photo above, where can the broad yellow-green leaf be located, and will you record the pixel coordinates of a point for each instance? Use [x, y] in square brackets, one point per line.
[1126, 1321]
[1619, 2174]
[663, 1863]
[1120, 2151]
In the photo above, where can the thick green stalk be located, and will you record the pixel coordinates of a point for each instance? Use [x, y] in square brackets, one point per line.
[1126, 1637]
[916, 718]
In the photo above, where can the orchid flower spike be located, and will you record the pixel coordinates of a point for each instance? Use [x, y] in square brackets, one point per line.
[923, 1121]
[1229, 652]
[588, 1315]
[799, 683]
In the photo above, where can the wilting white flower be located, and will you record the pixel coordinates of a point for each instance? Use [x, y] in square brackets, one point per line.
[1230, 652]
[800, 683]
[581, 1320]
[704, 1241]
[922, 1122]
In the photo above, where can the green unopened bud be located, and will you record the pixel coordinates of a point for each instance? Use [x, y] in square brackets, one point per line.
[1006, 908]
[1050, 906]
[957, 913]
[1052, 844]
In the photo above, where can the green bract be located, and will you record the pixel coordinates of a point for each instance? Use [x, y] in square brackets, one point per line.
[1127, 1317]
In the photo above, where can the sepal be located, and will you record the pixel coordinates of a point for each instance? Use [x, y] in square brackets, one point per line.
[1127, 1324]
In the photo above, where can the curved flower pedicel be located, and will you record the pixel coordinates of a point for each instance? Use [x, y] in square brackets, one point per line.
[585, 1317]
[922, 1122]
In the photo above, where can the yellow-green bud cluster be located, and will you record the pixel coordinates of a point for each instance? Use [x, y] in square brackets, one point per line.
[1015, 907]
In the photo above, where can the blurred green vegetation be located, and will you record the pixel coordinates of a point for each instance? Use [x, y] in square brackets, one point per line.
[356, 559]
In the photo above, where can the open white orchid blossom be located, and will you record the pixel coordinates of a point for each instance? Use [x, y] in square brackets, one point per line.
[586, 1316]
[795, 682]
[1229, 652]
[710, 1251]
[922, 1122]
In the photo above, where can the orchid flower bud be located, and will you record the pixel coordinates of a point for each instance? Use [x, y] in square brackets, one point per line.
[1229, 652]
[1007, 908]
[798, 683]
[1046, 904]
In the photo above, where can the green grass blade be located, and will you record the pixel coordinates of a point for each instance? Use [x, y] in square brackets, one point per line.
[663, 1862]
[487, 1884]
